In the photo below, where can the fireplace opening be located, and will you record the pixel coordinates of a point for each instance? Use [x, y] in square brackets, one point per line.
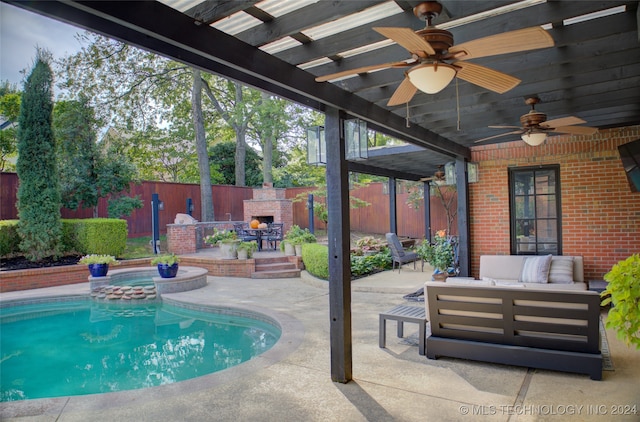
[263, 218]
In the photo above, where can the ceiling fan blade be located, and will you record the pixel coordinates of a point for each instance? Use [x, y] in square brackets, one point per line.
[362, 69]
[515, 132]
[575, 130]
[403, 94]
[505, 127]
[407, 38]
[508, 42]
[563, 121]
[487, 78]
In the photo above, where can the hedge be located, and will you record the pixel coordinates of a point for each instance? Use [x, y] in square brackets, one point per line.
[9, 239]
[316, 259]
[102, 236]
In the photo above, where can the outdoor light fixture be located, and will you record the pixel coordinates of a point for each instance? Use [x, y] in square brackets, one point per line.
[316, 146]
[450, 173]
[534, 138]
[356, 140]
[431, 77]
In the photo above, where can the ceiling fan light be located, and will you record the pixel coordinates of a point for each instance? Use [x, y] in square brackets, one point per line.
[431, 78]
[535, 138]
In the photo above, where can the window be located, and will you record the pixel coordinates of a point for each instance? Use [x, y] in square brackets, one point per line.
[535, 210]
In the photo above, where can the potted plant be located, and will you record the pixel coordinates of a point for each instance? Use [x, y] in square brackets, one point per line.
[305, 237]
[167, 265]
[227, 240]
[290, 240]
[218, 235]
[623, 293]
[438, 254]
[246, 249]
[98, 264]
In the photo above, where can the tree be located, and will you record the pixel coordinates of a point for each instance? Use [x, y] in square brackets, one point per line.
[206, 195]
[77, 154]
[9, 112]
[236, 105]
[136, 92]
[268, 126]
[222, 159]
[88, 171]
[40, 228]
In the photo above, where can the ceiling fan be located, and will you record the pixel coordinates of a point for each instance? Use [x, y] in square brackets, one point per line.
[438, 176]
[435, 60]
[535, 126]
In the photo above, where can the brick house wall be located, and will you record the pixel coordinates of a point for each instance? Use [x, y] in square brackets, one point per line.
[600, 214]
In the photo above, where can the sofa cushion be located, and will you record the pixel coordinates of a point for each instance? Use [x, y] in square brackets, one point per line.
[535, 269]
[465, 281]
[556, 286]
[561, 270]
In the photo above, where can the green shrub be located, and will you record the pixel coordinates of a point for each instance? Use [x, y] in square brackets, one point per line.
[70, 243]
[9, 239]
[316, 259]
[367, 264]
[623, 293]
[101, 236]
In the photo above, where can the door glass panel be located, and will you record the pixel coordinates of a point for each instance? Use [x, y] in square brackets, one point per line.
[545, 182]
[525, 207]
[524, 183]
[546, 206]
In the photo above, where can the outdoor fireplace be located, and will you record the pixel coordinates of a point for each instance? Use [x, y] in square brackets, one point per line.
[269, 205]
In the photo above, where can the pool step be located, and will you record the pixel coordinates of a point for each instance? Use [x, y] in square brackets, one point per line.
[278, 267]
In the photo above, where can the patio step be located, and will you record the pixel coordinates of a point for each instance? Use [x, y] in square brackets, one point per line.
[292, 273]
[275, 266]
[278, 267]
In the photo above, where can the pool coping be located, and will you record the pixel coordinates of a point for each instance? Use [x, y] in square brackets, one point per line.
[292, 335]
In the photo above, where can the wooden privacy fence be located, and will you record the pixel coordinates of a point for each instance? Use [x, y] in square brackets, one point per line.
[228, 205]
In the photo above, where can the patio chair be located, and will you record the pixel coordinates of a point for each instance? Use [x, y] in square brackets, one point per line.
[242, 230]
[274, 235]
[398, 254]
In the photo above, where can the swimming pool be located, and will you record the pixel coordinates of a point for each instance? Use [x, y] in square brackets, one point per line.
[79, 347]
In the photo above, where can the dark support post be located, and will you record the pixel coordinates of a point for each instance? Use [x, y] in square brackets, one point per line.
[155, 223]
[339, 245]
[310, 208]
[189, 206]
[393, 214]
[464, 250]
[426, 186]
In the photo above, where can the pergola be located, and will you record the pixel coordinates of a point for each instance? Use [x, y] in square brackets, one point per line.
[280, 46]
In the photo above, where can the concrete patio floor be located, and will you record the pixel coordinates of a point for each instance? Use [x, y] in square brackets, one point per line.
[292, 382]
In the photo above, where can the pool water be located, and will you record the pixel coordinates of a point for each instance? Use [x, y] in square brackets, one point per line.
[84, 347]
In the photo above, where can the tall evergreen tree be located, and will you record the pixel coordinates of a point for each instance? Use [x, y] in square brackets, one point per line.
[38, 194]
[77, 154]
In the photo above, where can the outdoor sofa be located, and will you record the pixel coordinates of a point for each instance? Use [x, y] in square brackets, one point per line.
[536, 314]
[541, 272]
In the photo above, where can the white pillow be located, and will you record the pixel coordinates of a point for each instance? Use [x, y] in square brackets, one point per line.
[535, 269]
[561, 270]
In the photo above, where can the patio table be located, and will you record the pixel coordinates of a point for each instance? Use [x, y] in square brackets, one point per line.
[258, 234]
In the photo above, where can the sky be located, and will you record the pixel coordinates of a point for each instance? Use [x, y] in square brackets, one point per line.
[21, 31]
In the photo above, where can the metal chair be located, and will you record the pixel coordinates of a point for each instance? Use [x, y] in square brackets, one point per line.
[241, 230]
[274, 235]
[398, 254]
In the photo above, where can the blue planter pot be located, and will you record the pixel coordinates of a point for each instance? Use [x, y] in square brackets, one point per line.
[98, 270]
[168, 271]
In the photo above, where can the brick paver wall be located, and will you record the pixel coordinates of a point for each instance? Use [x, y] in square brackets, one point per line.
[600, 214]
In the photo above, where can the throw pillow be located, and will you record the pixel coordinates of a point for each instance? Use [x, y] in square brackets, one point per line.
[536, 269]
[561, 270]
